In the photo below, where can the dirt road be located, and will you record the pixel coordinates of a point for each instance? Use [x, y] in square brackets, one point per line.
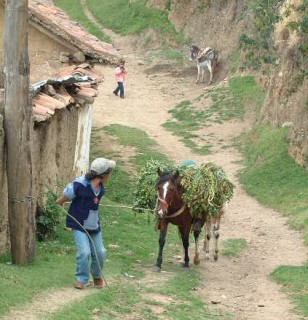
[240, 285]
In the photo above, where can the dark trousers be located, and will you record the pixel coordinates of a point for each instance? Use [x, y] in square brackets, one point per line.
[120, 88]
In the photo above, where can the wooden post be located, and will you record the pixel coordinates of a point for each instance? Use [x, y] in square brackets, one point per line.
[18, 128]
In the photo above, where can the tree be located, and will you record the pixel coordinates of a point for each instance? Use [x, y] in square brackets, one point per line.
[18, 126]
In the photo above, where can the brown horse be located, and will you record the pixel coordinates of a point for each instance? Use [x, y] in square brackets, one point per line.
[170, 208]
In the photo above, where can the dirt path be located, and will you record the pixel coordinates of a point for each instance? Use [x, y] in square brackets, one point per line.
[239, 285]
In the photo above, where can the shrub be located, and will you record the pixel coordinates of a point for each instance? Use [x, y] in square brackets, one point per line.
[48, 218]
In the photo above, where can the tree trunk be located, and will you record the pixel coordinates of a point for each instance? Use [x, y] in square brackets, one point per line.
[18, 127]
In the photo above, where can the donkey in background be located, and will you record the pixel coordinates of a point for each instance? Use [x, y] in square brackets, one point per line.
[205, 58]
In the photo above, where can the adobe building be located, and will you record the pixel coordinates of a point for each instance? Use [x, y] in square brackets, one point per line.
[64, 84]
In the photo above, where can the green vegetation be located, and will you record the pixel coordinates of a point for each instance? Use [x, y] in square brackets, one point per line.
[205, 188]
[48, 218]
[74, 9]
[125, 18]
[233, 247]
[295, 282]
[272, 176]
[131, 252]
[300, 26]
[259, 47]
[170, 54]
[228, 102]
[138, 139]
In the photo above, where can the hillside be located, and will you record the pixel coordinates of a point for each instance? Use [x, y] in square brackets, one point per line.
[221, 24]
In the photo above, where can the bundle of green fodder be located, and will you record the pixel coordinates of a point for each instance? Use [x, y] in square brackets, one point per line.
[205, 188]
[145, 192]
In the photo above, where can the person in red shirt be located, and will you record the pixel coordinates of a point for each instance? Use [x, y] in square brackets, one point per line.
[119, 73]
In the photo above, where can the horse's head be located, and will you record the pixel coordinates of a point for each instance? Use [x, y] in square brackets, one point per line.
[194, 51]
[167, 188]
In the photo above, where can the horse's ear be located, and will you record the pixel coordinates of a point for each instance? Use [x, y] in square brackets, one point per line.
[176, 175]
[159, 172]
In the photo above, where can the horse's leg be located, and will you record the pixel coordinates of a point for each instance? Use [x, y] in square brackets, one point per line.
[197, 230]
[198, 76]
[185, 240]
[202, 75]
[211, 72]
[207, 236]
[161, 242]
[216, 225]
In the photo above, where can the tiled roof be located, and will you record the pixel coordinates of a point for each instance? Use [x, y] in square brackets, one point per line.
[76, 85]
[50, 17]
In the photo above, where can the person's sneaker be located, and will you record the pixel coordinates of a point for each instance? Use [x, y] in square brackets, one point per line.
[79, 285]
[115, 93]
[98, 283]
[122, 97]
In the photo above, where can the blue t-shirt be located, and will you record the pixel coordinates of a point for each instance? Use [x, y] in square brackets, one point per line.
[84, 206]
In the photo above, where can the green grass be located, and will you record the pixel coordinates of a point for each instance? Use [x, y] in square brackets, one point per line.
[132, 247]
[295, 282]
[272, 176]
[169, 54]
[74, 9]
[146, 148]
[233, 247]
[52, 269]
[227, 102]
[126, 19]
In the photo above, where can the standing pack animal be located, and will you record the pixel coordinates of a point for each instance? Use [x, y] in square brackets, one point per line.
[205, 58]
[171, 208]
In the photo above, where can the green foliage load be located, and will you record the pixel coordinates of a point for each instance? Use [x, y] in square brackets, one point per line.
[205, 188]
[145, 194]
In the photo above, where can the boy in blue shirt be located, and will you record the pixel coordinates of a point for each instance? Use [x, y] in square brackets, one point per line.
[85, 193]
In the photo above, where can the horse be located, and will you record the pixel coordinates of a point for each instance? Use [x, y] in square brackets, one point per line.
[205, 58]
[170, 208]
[211, 227]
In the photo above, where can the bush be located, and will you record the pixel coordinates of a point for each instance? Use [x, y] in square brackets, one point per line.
[48, 218]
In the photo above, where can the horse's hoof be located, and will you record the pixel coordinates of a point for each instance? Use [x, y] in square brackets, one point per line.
[156, 269]
[196, 260]
[185, 265]
[215, 258]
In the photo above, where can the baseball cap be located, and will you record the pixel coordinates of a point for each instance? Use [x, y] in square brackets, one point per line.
[100, 165]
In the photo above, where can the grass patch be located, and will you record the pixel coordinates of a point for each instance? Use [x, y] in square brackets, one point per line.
[132, 247]
[179, 289]
[20, 284]
[75, 11]
[125, 18]
[295, 282]
[233, 247]
[146, 147]
[273, 177]
[218, 104]
[170, 54]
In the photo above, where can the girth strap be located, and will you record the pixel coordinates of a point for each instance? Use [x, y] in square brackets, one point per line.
[177, 213]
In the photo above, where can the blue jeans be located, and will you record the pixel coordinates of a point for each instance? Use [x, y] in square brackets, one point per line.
[120, 88]
[85, 251]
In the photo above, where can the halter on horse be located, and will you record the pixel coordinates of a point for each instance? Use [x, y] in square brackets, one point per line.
[171, 208]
